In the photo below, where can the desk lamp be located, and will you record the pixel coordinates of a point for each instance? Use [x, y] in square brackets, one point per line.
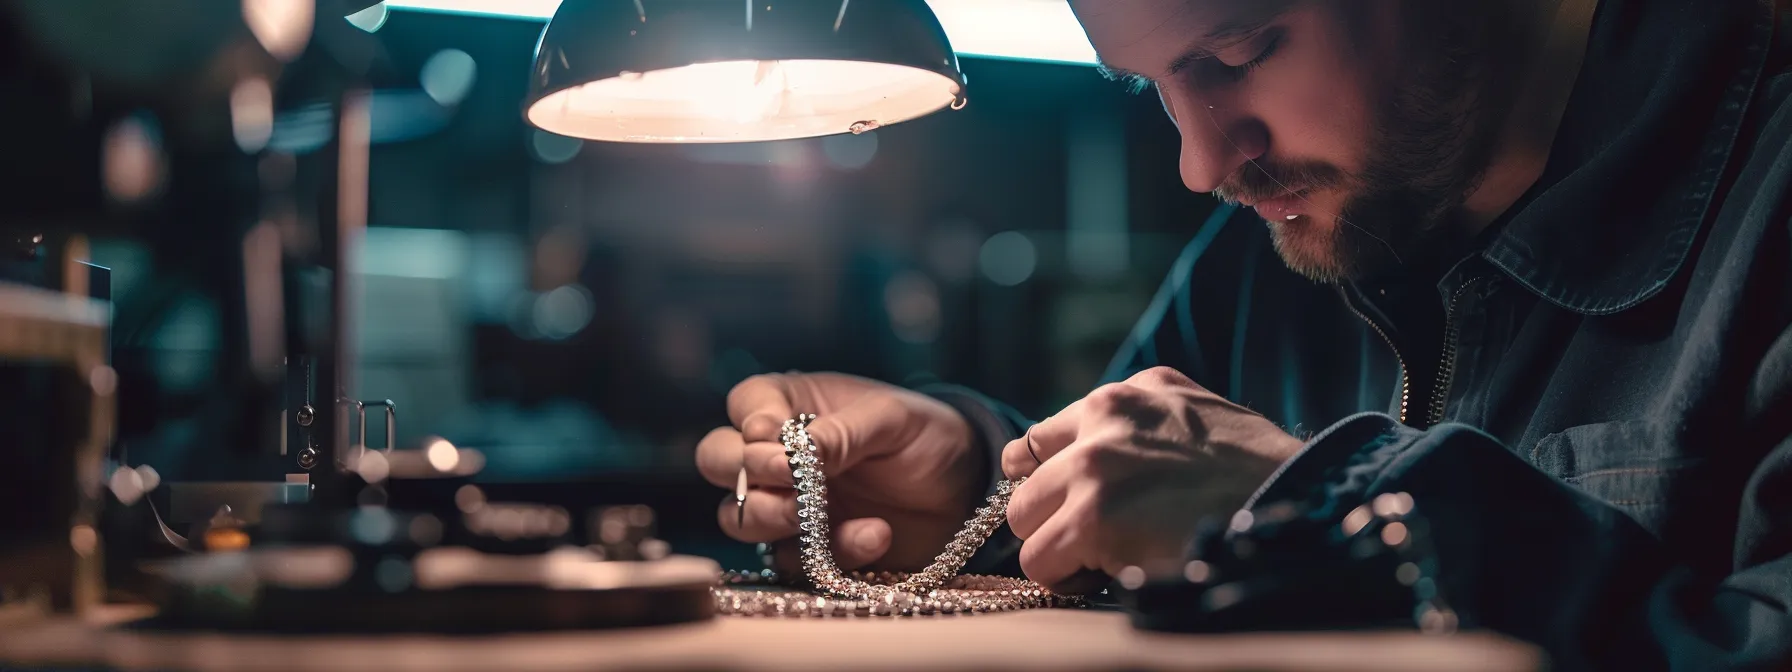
[708, 71]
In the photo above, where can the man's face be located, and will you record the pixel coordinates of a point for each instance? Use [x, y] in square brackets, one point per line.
[1355, 127]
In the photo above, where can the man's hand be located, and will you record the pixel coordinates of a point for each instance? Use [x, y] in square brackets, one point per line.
[902, 474]
[1123, 475]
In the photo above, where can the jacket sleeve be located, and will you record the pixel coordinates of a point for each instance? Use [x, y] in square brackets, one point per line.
[1524, 554]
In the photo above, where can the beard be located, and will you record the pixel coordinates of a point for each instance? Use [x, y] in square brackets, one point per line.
[1432, 140]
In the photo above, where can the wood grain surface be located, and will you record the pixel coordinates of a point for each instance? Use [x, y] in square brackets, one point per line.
[1034, 640]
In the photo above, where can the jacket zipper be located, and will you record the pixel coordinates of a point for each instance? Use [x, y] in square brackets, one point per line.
[1405, 379]
[1446, 370]
[1446, 366]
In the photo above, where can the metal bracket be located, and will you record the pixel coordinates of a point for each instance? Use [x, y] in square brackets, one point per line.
[391, 422]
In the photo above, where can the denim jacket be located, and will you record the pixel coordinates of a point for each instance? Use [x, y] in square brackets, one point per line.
[1596, 403]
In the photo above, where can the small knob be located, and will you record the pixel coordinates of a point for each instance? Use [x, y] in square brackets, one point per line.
[306, 415]
[308, 458]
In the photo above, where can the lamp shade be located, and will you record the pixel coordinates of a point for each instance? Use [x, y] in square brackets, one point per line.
[738, 70]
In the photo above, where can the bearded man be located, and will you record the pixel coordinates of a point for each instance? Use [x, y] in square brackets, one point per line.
[1559, 230]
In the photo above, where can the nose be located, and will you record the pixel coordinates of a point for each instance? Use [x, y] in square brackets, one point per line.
[1217, 138]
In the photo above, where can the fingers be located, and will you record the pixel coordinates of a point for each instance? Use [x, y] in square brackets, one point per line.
[1058, 525]
[865, 426]
[1034, 501]
[770, 515]
[719, 457]
[1041, 441]
[722, 454]
[768, 466]
[860, 542]
[1021, 456]
[1060, 548]
[759, 406]
[1052, 434]
[1114, 400]
[874, 424]
[856, 543]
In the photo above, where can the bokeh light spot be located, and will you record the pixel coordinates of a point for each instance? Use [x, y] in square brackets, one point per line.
[133, 158]
[563, 312]
[442, 455]
[553, 148]
[393, 574]
[448, 76]
[1008, 258]
[913, 302]
[372, 526]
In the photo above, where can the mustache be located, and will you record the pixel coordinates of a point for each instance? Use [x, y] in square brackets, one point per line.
[1261, 180]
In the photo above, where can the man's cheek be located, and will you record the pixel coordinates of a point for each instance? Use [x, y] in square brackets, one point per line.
[1319, 106]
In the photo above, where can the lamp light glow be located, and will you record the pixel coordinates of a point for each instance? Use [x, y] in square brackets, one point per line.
[743, 101]
[696, 71]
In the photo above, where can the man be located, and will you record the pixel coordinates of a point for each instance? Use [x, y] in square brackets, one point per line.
[1567, 223]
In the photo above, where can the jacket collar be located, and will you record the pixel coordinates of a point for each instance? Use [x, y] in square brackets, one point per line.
[1641, 152]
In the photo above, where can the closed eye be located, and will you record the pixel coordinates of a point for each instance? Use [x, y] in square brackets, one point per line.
[1240, 71]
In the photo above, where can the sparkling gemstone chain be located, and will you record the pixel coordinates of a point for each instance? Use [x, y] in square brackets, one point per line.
[937, 589]
[761, 594]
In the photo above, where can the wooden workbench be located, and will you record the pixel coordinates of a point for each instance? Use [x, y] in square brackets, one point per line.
[1034, 641]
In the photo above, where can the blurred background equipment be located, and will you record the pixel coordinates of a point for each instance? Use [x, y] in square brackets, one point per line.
[425, 550]
[152, 125]
[575, 310]
[54, 343]
[224, 162]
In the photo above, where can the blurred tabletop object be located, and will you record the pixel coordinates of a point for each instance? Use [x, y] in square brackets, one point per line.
[1031, 640]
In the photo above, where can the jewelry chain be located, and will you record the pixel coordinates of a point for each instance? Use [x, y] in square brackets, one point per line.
[937, 589]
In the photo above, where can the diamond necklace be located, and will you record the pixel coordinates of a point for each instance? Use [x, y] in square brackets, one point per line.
[937, 589]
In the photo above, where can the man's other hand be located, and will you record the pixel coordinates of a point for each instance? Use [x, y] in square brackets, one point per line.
[1121, 477]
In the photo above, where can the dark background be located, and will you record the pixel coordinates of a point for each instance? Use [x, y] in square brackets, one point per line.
[578, 311]
[701, 265]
